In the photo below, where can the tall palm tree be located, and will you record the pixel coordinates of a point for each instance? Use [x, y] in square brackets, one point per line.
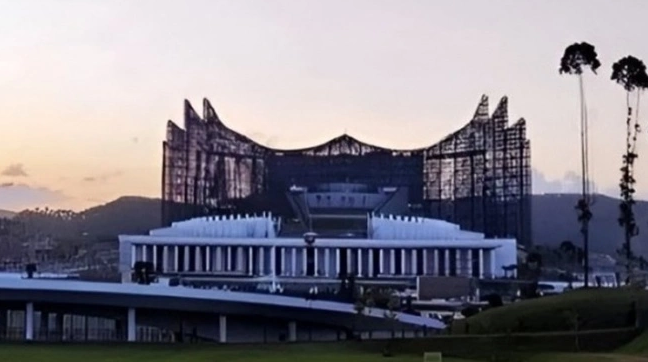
[630, 73]
[576, 58]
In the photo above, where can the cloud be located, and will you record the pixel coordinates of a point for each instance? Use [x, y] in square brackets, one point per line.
[14, 170]
[103, 177]
[18, 197]
[570, 183]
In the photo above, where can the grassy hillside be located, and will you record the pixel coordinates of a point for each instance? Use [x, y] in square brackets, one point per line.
[595, 308]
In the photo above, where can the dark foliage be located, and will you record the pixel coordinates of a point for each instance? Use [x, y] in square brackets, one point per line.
[578, 56]
[494, 300]
[630, 73]
[469, 311]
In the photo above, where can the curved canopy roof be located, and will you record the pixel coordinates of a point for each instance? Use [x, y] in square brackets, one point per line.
[213, 129]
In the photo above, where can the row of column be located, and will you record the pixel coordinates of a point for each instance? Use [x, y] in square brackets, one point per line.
[316, 261]
[131, 325]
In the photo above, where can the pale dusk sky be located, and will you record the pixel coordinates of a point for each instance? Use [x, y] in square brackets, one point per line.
[86, 86]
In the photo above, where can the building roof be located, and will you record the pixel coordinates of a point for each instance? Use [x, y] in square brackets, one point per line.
[189, 299]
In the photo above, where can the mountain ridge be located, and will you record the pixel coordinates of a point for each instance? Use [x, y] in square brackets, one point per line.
[553, 219]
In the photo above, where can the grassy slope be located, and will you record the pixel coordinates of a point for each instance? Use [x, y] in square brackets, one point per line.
[597, 309]
[193, 353]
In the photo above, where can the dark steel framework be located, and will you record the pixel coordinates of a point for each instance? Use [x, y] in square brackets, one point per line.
[478, 177]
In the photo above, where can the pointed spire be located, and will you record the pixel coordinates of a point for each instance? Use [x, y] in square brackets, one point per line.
[209, 114]
[189, 111]
[500, 115]
[481, 113]
[190, 115]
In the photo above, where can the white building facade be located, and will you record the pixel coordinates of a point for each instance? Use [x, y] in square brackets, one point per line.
[249, 246]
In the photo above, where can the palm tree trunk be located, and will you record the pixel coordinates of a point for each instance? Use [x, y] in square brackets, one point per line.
[628, 232]
[584, 178]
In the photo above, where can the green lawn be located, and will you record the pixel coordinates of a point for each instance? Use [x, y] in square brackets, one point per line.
[596, 309]
[277, 353]
[195, 353]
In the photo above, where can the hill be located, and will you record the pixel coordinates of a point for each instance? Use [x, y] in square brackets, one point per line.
[6, 214]
[554, 220]
[613, 309]
[125, 215]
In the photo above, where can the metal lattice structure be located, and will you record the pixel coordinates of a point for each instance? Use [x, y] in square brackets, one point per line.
[478, 177]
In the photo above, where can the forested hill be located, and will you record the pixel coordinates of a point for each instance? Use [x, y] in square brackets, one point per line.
[553, 220]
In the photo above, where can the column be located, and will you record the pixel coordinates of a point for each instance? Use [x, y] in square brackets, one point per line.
[414, 262]
[447, 262]
[292, 331]
[304, 260]
[222, 329]
[198, 258]
[154, 257]
[165, 259]
[315, 261]
[176, 256]
[327, 262]
[359, 262]
[458, 262]
[293, 262]
[240, 260]
[392, 261]
[469, 262]
[481, 263]
[250, 260]
[370, 259]
[186, 258]
[131, 335]
[262, 261]
[381, 261]
[349, 261]
[403, 264]
[437, 267]
[143, 252]
[208, 257]
[273, 260]
[133, 255]
[284, 262]
[219, 258]
[29, 321]
[425, 262]
[337, 261]
[229, 258]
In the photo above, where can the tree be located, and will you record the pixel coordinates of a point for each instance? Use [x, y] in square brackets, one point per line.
[568, 253]
[630, 73]
[392, 316]
[577, 57]
[364, 302]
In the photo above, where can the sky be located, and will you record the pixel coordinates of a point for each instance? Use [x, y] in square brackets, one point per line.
[86, 87]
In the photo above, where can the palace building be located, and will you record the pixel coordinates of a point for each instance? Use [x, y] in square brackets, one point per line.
[478, 178]
[349, 234]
